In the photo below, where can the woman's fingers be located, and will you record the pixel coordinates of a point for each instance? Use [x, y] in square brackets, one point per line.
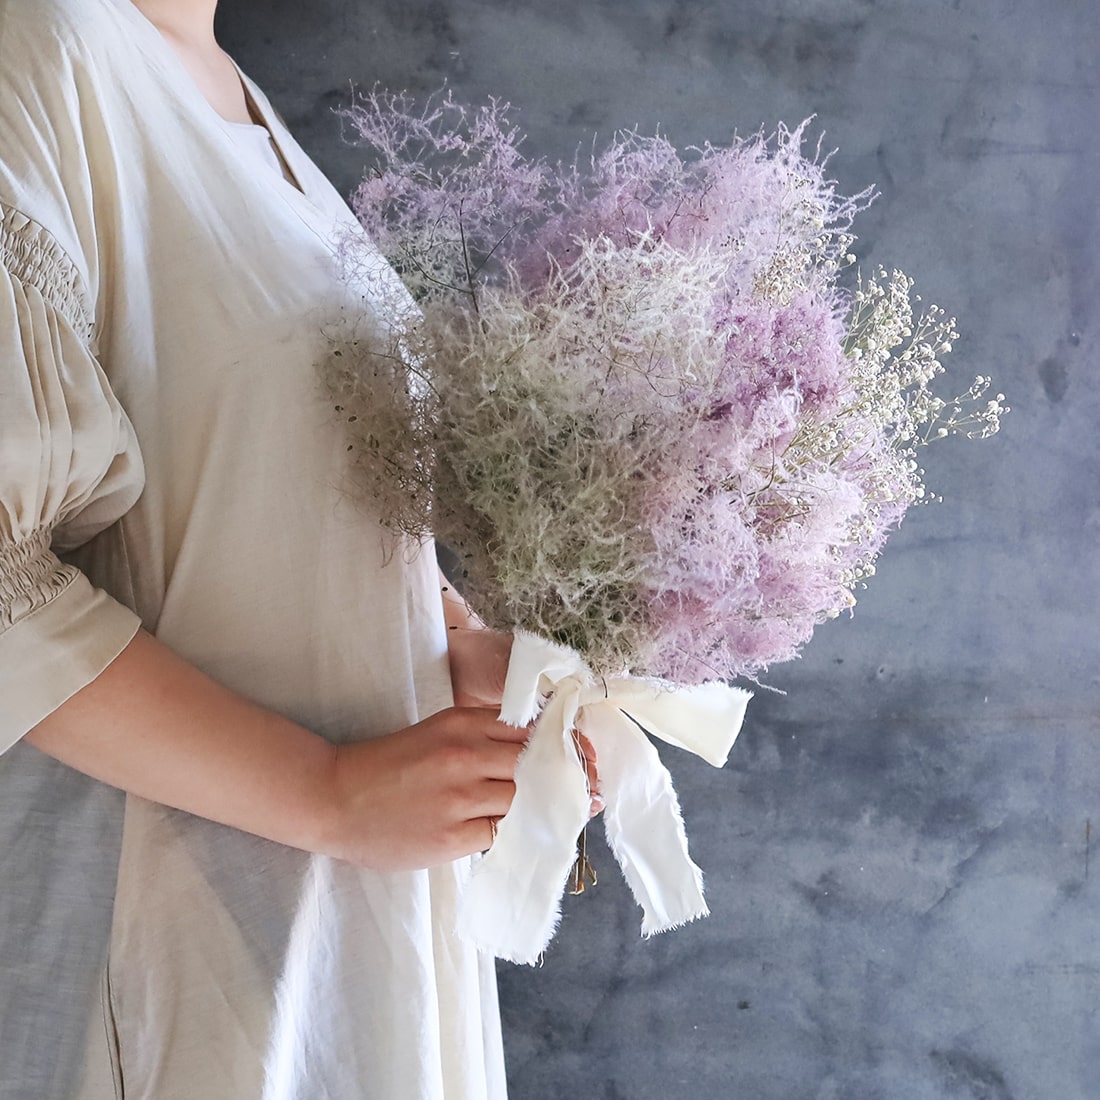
[502, 731]
[501, 760]
[493, 798]
[488, 748]
[587, 753]
[585, 750]
[477, 834]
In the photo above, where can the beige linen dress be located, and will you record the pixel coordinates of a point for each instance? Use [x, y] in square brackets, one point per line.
[168, 458]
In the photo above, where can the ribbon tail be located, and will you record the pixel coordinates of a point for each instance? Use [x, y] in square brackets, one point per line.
[643, 823]
[512, 902]
[704, 719]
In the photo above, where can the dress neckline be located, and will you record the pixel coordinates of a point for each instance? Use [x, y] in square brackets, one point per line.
[263, 120]
[174, 70]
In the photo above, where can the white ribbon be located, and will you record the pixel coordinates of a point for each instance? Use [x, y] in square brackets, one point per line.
[511, 904]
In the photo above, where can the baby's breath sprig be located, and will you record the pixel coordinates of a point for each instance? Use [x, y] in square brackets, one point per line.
[896, 359]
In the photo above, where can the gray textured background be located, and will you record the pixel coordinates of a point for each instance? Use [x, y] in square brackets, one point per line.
[898, 852]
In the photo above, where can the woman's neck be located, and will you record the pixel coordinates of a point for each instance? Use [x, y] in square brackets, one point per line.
[188, 27]
[187, 21]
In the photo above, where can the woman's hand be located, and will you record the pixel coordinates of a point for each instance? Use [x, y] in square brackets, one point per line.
[479, 665]
[429, 793]
[478, 656]
[425, 795]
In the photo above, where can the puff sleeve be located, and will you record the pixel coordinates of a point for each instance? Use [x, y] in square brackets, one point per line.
[69, 463]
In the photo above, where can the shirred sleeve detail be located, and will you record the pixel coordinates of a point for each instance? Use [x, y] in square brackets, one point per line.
[68, 457]
[36, 259]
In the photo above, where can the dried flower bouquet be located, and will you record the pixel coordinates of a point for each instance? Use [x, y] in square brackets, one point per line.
[637, 401]
[635, 398]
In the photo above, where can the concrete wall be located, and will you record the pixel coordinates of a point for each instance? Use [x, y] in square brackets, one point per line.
[898, 854]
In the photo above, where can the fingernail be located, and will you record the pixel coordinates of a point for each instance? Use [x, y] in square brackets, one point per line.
[597, 804]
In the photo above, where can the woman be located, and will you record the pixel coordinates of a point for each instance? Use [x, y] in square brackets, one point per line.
[192, 611]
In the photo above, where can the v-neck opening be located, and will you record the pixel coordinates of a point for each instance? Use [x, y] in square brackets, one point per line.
[174, 67]
[256, 111]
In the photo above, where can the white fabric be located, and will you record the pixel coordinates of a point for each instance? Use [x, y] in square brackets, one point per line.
[164, 300]
[256, 141]
[511, 905]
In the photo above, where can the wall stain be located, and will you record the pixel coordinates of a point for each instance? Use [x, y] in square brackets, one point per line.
[1055, 379]
[814, 48]
[970, 1076]
[682, 17]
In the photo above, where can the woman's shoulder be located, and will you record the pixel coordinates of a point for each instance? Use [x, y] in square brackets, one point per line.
[61, 32]
[60, 62]
[55, 68]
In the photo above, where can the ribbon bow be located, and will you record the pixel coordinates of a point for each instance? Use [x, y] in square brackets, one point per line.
[511, 904]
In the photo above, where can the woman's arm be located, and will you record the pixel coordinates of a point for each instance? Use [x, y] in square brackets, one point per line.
[157, 727]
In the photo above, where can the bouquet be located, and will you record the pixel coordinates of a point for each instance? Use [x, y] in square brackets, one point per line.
[663, 435]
